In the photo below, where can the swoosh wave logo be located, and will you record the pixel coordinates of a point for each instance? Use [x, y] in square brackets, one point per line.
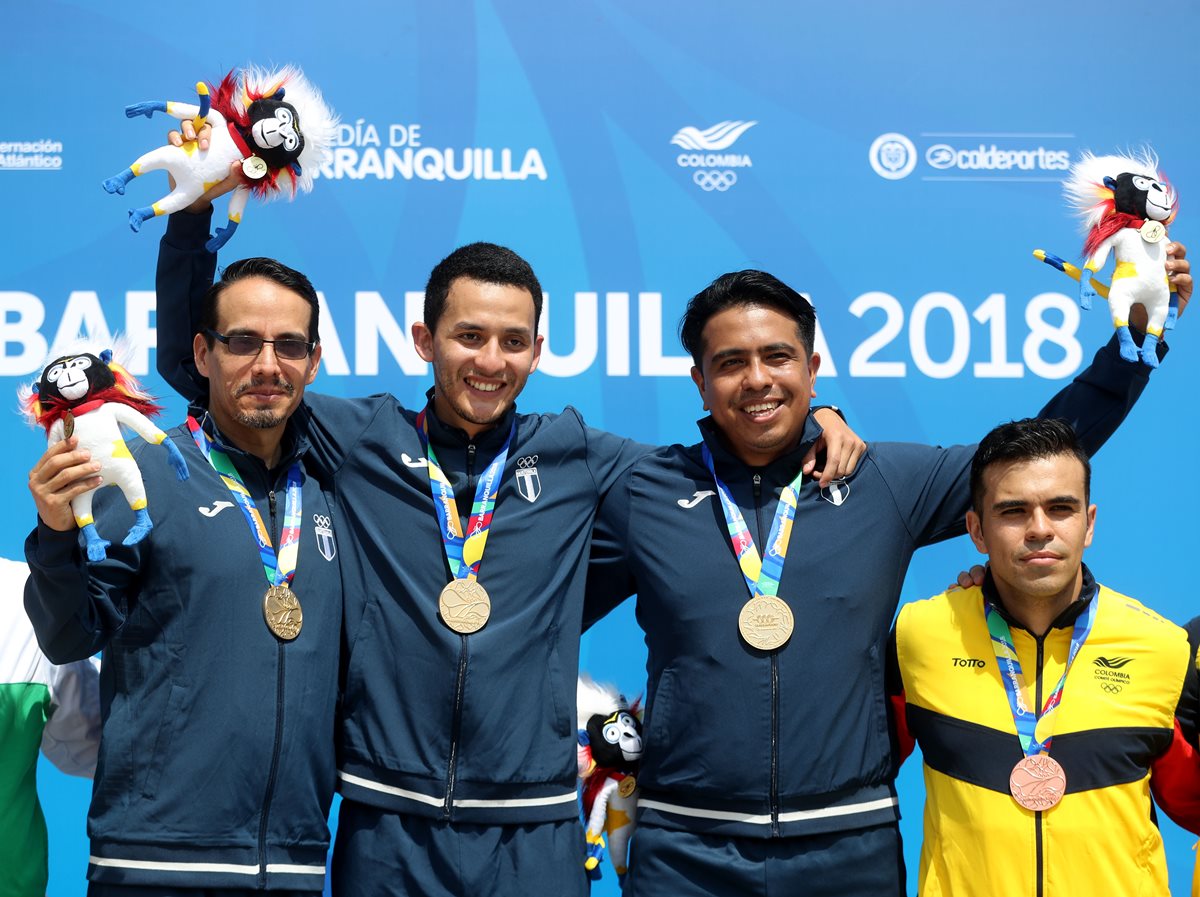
[720, 136]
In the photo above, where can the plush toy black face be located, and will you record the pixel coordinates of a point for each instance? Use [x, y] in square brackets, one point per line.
[1139, 195]
[74, 377]
[275, 132]
[616, 740]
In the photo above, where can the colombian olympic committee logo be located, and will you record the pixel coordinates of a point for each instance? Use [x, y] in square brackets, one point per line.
[893, 156]
[708, 152]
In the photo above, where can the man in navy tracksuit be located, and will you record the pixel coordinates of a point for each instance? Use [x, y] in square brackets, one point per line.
[217, 762]
[766, 602]
[457, 745]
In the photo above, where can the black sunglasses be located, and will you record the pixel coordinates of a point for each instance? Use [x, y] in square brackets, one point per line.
[244, 344]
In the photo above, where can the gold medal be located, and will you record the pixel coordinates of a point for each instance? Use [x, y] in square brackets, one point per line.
[1038, 782]
[464, 606]
[282, 612]
[68, 425]
[627, 787]
[1153, 231]
[766, 623]
[254, 168]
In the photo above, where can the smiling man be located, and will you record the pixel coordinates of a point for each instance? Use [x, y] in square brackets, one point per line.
[766, 599]
[220, 630]
[1044, 703]
[468, 527]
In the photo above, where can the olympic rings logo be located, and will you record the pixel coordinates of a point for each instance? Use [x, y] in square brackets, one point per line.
[1111, 688]
[714, 180]
[527, 461]
[321, 520]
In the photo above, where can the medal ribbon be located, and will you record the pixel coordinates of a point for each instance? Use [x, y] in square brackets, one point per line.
[762, 574]
[464, 552]
[279, 568]
[1035, 732]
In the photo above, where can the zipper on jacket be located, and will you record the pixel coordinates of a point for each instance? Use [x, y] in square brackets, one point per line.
[455, 729]
[460, 681]
[774, 796]
[1037, 816]
[277, 748]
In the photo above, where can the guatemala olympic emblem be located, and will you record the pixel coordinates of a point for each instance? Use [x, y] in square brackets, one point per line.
[529, 484]
[836, 492]
[324, 534]
[714, 180]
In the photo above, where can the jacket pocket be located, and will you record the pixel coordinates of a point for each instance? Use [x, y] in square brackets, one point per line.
[564, 717]
[168, 724]
[659, 712]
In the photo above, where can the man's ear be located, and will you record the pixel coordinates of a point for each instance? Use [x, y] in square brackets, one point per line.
[422, 340]
[200, 352]
[975, 531]
[698, 379]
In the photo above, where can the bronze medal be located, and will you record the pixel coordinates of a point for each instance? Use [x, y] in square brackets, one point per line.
[68, 425]
[1152, 231]
[1038, 782]
[282, 612]
[766, 623]
[464, 606]
[254, 168]
[627, 786]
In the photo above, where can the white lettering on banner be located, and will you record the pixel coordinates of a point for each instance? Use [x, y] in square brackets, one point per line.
[1048, 345]
[333, 356]
[23, 331]
[360, 154]
[140, 332]
[586, 338]
[373, 320]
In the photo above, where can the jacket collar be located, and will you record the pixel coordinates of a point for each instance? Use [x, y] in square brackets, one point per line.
[1065, 620]
[783, 468]
[444, 435]
[295, 433]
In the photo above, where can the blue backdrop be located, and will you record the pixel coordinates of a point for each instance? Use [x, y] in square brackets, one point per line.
[897, 162]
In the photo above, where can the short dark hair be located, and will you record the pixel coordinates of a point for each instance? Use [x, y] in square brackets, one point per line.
[747, 287]
[486, 263]
[269, 269]
[1026, 440]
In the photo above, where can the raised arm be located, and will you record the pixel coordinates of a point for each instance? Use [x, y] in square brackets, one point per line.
[185, 272]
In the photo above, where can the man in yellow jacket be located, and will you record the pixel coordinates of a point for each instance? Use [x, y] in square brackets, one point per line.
[1044, 703]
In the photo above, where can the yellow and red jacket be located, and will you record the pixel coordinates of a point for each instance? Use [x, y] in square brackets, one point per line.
[1114, 731]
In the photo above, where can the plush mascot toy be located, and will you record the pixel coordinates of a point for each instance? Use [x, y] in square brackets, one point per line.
[610, 749]
[279, 143]
[1125, 205]
[90, 397]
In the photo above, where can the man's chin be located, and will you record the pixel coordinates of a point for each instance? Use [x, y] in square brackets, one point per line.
[261, 420]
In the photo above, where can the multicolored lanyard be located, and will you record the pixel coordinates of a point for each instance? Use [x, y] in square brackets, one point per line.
[762, 574]
[279, 569]
[464, 553]
[1035, 730]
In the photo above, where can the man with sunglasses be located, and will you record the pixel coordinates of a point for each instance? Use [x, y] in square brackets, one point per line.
[220, 630]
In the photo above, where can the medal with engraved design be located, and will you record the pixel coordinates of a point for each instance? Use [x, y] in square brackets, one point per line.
[627, 786]
[766, 623]
[464, 606]
[68, 425]
[281, 607]
[281, 610]
[1038, 782]
[1152, 231]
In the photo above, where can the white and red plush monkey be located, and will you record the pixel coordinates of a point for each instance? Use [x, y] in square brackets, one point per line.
[92, 397]
[1125, 205]
[279, 142]
[609, 753]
